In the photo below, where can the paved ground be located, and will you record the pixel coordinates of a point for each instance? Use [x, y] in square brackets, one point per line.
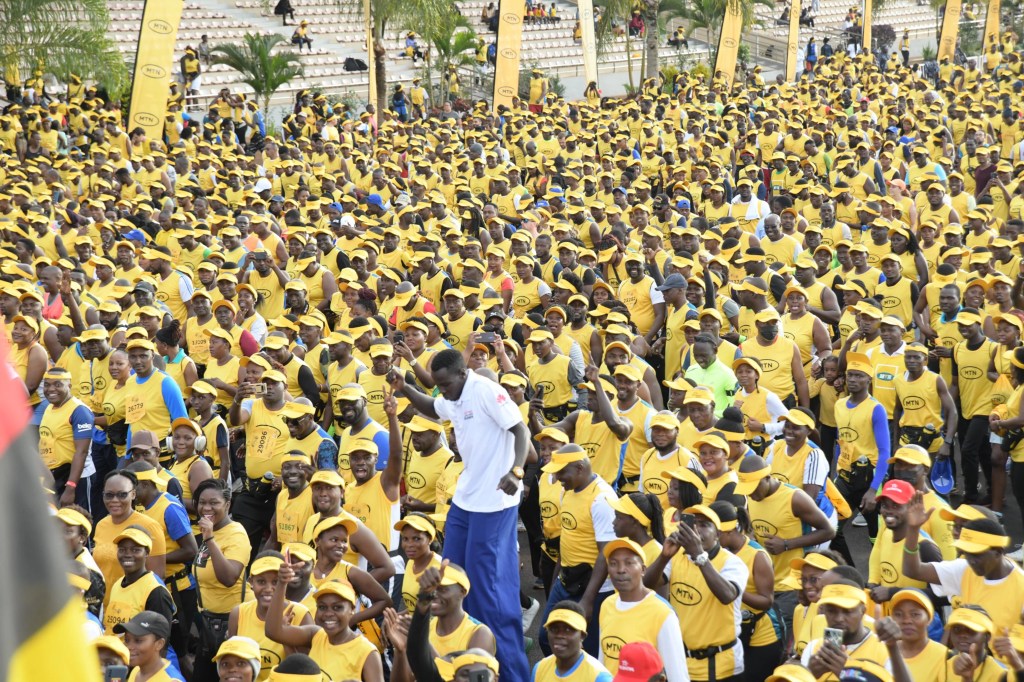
[856, 538]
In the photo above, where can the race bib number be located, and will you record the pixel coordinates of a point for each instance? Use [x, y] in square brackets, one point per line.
[134, 409]
[46, 451]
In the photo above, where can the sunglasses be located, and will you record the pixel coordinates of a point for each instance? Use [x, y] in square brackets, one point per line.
[119, 495]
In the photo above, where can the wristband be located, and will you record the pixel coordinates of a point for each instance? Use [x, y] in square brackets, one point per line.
[911, 551]
[71, 484]
[785, 545]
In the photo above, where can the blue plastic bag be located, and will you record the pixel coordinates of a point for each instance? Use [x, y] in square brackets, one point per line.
[942, 475]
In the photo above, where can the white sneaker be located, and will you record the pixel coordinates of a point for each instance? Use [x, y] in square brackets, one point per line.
[1016, 555]
[530, 614]
[859, 521]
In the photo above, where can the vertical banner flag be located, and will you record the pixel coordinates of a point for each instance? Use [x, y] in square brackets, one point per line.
[991, 26]
[510, 42]
[865, 40]
[586, 10]
[792, 46]
[41, 636]
[154, 66]
[950, 29]
[729, 42]
[371, 62]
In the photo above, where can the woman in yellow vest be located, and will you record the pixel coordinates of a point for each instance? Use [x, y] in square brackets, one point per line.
[686, 488]
[188, 442]
[925, 658]
[762, 626]
[29, 359]
[248, 318]
[761, 408]
[417, 536]
[806, 330]
[248, 619]
[341, 653]
[973, 649]
[140, 589]
[530, 294]
[178, 365]
[636, 613]
[224, 371]
[640, 519]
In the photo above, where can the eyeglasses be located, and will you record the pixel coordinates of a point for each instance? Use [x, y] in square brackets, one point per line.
[293, 422]
[119, 495]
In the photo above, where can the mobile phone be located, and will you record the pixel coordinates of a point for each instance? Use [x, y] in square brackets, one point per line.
[486, 337]
[688, 519]
[398, 337]
[259, 389]
[539, 392]
[115, 673]
[834, 637]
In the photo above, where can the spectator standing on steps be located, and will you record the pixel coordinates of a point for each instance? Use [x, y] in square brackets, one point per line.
[284, 10]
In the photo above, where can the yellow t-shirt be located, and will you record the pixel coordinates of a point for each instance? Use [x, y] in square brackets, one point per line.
[234, 544]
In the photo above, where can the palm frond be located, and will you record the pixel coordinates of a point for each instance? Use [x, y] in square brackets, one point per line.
[62, 37]
[262, 69]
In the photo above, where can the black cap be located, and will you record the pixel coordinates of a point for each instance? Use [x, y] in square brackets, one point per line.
[145, 623]
[145, 286]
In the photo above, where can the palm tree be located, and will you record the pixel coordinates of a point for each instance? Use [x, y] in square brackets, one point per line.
[262, 71]
[66, 37]
[389, 15]
[617, 12]
[452, 43]
[708, 15]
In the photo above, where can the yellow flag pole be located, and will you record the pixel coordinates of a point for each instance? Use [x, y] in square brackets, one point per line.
[589, 40]
[510, 42]
[729, 42]
[154, 64]
[793, 45]
[950, 29]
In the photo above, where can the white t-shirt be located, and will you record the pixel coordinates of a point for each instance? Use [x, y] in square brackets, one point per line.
[951, 575]
[482, 417]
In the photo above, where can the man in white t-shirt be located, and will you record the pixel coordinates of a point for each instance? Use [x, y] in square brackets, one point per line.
[480, 530]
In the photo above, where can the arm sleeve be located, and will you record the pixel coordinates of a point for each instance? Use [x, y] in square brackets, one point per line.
[383, 442]
[176, 520]
[603, 516]
[222, 436]
[498, 406]
[417, 652]
[308, 385]
[172, 398]
[880, 425]
[816, 468]
[259, 330]
[159, 600]
[185, 288]
[656, 296]
[672, 650]
[950, 574]
[776, 409]
[82, 423]
[576, 364]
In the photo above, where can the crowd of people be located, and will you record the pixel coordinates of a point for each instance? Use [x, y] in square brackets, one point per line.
[296, 395]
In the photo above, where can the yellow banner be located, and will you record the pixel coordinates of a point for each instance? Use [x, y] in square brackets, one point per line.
[586, 11]
[991, 26]
[729, 42]
[950, 29]
[510, 43]
[371, 62]
[154, 66]
[793, 45]
[866, 37]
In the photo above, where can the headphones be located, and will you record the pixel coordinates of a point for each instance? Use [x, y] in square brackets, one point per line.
[200, 444]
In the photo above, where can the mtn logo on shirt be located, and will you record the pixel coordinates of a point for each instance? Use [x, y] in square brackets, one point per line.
[684, 594]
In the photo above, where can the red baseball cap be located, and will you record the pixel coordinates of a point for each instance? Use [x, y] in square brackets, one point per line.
[899, 492]
[638, 662]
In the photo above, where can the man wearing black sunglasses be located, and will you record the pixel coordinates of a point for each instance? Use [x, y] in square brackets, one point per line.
[307, 436]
